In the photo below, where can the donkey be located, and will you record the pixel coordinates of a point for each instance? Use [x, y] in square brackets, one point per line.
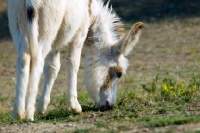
[40, 29]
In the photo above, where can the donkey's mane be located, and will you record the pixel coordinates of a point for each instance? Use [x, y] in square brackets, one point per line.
[111, 21]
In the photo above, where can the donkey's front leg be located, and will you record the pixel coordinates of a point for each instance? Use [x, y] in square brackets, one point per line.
[73, 62]
[51, 68]
[37, 62]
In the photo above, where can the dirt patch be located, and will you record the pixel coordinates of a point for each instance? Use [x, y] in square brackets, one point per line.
[78, 126]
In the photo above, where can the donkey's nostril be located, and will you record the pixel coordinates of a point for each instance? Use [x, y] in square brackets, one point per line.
[108, 106]
[107, 103]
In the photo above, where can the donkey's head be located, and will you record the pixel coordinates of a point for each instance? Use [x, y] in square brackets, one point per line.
[105, 66]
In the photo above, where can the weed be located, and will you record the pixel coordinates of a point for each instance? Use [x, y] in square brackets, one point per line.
[5, 117]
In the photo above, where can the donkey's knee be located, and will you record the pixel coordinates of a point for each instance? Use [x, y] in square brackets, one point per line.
[52, 67]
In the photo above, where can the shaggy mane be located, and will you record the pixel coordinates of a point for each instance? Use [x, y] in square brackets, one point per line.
[112, 19]
[113, 23]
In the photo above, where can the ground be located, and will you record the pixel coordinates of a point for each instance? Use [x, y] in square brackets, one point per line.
[89, 127]
[169, 46]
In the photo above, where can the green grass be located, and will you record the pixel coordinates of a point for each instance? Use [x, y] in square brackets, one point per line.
[5, 117]
[92, 130]
[167, 101]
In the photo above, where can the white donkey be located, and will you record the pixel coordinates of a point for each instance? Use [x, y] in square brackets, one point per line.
[40, 28]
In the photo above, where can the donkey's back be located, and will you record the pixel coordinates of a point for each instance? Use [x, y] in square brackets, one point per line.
[44, 22]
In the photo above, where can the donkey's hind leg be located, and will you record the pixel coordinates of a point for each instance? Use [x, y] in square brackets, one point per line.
[22, 67]
[19, 36]
[51, 68]
[22, 70]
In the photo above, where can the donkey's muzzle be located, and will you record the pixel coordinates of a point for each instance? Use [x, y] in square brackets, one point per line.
[108, 106]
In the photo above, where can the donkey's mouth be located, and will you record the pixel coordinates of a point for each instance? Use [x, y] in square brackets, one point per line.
[106, 107]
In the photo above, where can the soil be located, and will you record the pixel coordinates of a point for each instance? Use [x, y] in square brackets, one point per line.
[73, 126]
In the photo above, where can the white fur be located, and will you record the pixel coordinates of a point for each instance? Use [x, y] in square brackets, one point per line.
[59, 23]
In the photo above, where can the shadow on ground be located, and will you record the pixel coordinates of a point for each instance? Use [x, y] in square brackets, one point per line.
[155, 10]
[4, 30]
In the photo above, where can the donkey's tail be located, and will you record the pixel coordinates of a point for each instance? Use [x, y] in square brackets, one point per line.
[32, 7]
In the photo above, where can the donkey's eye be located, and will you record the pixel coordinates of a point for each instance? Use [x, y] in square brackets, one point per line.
[119, 74]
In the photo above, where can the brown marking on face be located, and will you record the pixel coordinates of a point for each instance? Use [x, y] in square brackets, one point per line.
[108, 82]
[110, 77]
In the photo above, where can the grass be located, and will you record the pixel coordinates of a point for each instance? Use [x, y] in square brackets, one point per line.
[173, 121]
[5, 117]
[172, 101]
[92, 130]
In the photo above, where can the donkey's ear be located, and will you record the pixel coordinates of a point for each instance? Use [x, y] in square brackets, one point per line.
[126, 44]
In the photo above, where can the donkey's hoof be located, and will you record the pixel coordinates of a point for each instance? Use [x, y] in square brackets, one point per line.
[17, 116]
[29, 118]
[42, 114]
[42, 107]
[30, 113]
[78, 112]
[75, 107]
